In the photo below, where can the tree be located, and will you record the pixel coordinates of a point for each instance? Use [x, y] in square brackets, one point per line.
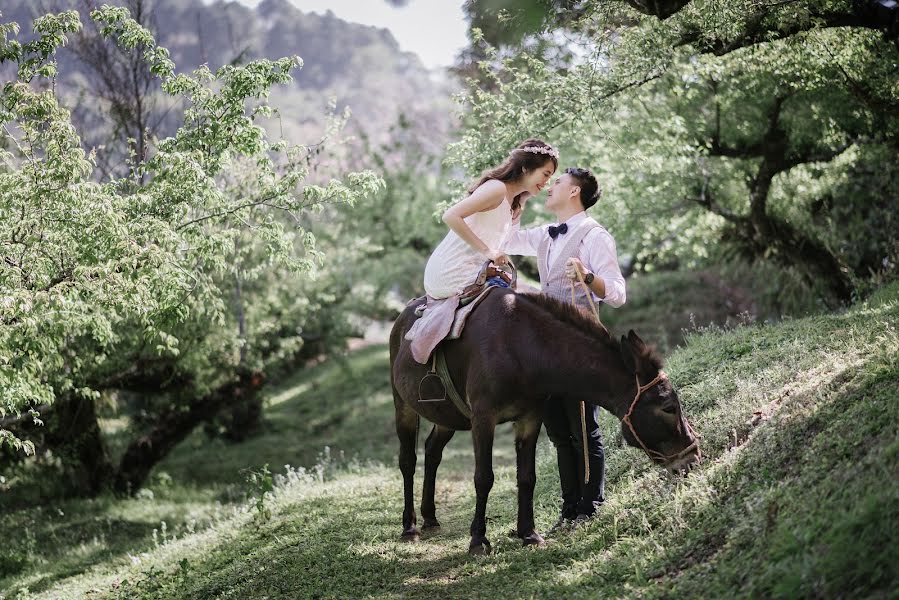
[701, 147]
[122, 86]
[124, 283]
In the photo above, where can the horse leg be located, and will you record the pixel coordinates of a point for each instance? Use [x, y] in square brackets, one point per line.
[526, 433]
[407, 431]
[482, 432]
[434, 445]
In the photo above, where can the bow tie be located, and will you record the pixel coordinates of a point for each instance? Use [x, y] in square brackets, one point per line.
[555, 232]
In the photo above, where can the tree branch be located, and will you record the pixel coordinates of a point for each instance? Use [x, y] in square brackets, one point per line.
[708, 202]
[759, 28]
[225, 213]
[12, 420]
[658, 8]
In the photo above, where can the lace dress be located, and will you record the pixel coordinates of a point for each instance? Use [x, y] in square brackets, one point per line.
[455, 264]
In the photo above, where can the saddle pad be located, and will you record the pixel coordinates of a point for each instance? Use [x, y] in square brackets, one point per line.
[442, 319]
[463, 313]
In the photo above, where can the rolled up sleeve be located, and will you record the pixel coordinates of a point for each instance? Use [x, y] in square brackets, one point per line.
[602, 259]
[522, 242]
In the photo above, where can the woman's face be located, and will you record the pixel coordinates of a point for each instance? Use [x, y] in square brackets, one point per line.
[534, 181]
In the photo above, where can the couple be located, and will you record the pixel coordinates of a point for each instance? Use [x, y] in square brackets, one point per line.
[485, 225]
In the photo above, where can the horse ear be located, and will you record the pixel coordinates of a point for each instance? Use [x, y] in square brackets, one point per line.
[635, 339]
[627, 354]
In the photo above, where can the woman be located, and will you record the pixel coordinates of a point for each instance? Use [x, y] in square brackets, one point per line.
[480, 223]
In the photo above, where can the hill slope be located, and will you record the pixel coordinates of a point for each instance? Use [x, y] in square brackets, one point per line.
[796, 497]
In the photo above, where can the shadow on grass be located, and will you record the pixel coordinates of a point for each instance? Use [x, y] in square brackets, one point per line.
[804, 514]
[805, 506]
[60, 544]
[343, 404]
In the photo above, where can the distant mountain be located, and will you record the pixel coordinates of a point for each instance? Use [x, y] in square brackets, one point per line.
[360, 66]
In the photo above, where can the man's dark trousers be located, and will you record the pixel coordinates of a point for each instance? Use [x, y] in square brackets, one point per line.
[562, 419]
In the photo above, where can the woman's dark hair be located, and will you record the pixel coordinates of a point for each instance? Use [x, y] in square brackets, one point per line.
[590, 191]
[518, 160]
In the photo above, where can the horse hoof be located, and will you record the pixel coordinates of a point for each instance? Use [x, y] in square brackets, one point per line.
[410, 535]
[534, 539]
[479, 549]
[430, 525]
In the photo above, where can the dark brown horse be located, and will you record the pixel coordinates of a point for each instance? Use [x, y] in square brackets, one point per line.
[515, 352]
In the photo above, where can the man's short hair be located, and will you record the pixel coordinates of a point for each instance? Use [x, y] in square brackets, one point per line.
[586, 180]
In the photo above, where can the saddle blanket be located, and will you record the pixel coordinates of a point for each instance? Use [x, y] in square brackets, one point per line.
[442, 319]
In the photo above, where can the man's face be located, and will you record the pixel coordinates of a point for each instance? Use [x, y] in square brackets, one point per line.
[561, 191]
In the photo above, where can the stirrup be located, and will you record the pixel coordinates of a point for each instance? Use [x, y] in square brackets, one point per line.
[432, 373]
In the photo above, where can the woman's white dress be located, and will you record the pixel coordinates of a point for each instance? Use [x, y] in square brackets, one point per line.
[455, 264]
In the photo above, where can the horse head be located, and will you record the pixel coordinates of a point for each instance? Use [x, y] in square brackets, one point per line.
[654, 420]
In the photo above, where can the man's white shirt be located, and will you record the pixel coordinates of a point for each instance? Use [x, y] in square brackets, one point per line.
[597, 251]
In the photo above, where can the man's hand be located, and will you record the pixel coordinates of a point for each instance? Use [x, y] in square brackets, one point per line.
[499, 258]
[522, 200]
[574, 266]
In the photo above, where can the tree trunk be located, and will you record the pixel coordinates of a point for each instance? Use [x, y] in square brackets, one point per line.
[244, 418]
[170, 429]
[763, 236]
[73, 433]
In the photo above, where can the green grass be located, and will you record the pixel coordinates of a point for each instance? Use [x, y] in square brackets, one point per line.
[666, 306]
[797, 495]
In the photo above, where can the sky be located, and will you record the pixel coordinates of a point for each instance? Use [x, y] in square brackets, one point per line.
[432, 29]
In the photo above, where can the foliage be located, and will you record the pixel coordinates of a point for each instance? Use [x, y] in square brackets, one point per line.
[708, 137]
[361, 67]
[261, 486]
[108, 283]
[403, 226]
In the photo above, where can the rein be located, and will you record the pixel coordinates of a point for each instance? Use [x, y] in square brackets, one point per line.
[589, 297]
[627, 421]
[583, 404]
[653, 454]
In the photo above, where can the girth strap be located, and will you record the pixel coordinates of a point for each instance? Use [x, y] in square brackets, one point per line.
[447, 381]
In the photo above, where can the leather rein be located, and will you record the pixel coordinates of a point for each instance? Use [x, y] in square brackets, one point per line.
[653, 454]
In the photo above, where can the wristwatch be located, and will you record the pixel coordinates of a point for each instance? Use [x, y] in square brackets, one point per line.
[589, 277]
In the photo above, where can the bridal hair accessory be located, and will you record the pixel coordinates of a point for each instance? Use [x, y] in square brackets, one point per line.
[542, 150]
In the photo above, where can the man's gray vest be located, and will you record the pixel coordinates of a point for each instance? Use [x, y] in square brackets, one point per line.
[552, 277]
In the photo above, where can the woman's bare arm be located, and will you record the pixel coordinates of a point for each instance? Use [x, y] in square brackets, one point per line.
[486, 197]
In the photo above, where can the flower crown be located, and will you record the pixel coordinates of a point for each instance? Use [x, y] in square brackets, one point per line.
[542, 150]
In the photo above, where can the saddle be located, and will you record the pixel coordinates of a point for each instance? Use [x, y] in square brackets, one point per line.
[474, 289]
[445, 319]
[488, 271]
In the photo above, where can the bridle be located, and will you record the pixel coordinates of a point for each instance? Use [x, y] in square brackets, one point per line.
[653, 454]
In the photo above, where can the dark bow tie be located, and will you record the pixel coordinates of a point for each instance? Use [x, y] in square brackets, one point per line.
[555, 232]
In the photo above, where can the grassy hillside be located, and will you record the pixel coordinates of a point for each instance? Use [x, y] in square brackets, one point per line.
[797, 496]
[666, 305]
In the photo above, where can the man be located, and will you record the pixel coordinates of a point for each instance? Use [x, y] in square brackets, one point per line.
[577, 245]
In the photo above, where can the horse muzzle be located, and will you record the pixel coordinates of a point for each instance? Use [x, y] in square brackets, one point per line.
[684, 461]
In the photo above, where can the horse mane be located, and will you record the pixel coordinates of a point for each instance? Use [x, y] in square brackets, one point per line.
[572, 315]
